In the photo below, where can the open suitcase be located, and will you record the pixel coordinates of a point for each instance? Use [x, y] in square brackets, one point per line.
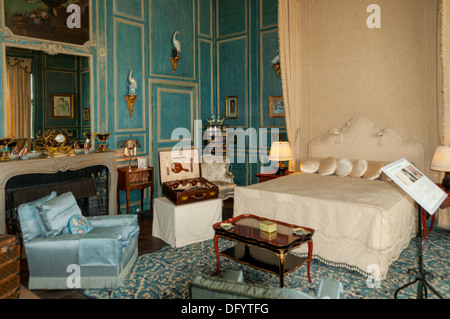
[180, 176]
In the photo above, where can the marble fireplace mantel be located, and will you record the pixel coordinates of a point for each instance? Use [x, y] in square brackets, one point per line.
[53, 165]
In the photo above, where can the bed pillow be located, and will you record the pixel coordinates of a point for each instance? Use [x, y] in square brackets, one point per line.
[328, 166]
[374, 169]
[359, 168]
[310, 165]
[344, 166]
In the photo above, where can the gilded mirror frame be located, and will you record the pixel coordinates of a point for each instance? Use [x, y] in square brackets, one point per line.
[9, 39]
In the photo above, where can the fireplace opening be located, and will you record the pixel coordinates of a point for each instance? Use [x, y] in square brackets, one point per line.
[89, 186]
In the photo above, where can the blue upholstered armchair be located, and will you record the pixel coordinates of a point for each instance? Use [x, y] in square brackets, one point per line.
[232, 286]
[66, 250]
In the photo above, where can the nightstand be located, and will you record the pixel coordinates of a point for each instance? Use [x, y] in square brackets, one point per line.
[136, 178]
[270, 175]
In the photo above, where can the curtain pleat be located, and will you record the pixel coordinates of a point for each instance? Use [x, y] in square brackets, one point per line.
[18, 98]
[443, 86]
[290, 62]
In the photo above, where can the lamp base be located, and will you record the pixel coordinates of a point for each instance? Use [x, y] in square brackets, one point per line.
[282, 168]
[446, 181]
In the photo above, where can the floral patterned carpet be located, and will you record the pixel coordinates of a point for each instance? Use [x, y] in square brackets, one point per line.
[166, 274]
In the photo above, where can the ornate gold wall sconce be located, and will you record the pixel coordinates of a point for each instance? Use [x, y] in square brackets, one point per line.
[277, 69]
[276, 65]
[130, 101]
[175, 52]
[175, 60]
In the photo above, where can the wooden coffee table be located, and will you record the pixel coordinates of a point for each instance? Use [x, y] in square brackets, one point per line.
[262, 250]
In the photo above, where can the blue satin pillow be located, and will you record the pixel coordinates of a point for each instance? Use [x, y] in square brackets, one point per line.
[31, 228]
[54, 215]
[79, 225]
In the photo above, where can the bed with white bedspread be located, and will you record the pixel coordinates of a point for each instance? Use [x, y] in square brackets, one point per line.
[362, 222]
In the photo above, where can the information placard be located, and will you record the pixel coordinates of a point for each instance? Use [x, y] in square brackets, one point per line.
[423, 190]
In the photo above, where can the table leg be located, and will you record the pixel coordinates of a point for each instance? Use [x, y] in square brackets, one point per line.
[118, 200]
[151, 197]
[433, 218]
[310, 249]
[216, 245]
[142, 200]
[128, 201]
[281, 262]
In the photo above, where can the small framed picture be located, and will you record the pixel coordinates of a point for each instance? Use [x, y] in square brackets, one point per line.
[86, 115]
[232, 107]
[62, 106]
[142, 162]
[276, 107]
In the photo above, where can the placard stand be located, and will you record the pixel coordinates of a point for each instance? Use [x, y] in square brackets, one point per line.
[420, 273]
[427, 195]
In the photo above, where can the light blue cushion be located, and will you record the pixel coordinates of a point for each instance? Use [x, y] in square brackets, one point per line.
[206, 287]
[79, 225]
[31, 228]
[54, 215]
[329, 288]
[123, 234]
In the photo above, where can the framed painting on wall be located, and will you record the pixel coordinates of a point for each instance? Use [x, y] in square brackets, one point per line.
[232, 107]
[49, 20]
[86, 116]
[62, 106]
[276, 107]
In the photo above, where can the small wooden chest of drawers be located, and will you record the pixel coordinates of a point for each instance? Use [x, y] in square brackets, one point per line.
[9, 267]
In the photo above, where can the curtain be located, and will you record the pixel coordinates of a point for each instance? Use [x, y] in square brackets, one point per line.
[443, 86]
[18, 104]
[290, 62]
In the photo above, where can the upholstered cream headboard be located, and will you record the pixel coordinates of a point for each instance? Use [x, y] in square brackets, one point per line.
[361, 140]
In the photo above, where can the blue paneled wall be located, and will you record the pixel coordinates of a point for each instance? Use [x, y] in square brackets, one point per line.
[226, 49]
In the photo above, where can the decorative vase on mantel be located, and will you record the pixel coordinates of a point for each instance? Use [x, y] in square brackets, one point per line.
[102, 138]
[4, 143]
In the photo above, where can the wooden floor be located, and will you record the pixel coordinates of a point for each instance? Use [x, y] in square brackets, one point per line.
[146, 244]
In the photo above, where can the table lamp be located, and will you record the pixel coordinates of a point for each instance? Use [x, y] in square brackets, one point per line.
[441, 162]
[280, 151]
[129, 152]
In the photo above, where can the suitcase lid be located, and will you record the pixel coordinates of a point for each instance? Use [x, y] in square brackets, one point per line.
[179, 165]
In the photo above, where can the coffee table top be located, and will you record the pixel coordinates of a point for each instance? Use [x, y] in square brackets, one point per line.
[247, 228]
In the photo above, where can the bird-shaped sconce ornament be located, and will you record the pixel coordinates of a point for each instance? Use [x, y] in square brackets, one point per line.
[175, 52]
[131, 97]
[132, 84]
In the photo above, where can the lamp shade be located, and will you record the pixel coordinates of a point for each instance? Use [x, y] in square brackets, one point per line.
[130, 143]
[441, 159]
[280, 151]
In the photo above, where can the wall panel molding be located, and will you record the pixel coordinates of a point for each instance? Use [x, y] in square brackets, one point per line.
[129, 9]
[122, 120]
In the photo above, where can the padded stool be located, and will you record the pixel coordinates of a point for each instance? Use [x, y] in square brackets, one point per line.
[181, 225]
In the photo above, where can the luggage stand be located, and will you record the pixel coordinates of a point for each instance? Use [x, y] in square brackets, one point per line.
[181, 225]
